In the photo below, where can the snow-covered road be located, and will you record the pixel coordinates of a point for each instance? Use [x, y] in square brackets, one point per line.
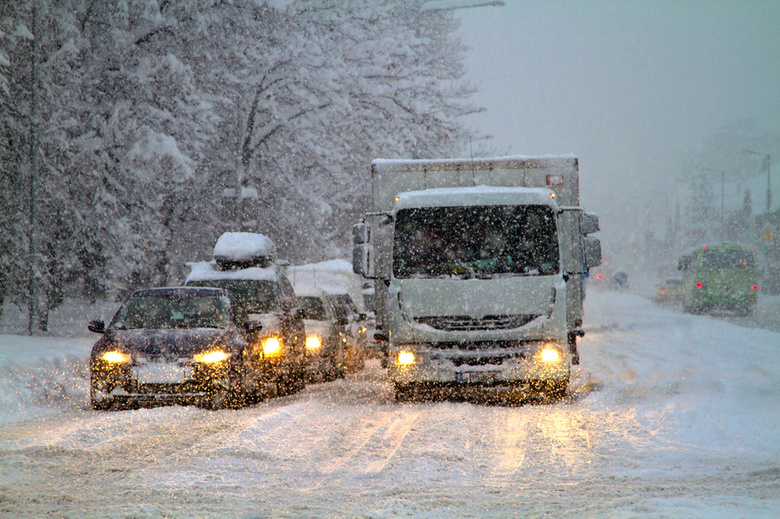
[671, 415]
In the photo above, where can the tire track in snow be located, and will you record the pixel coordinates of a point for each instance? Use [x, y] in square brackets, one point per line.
[359, 441]
[392, 439]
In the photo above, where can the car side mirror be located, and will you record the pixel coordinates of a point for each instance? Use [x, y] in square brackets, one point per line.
[253, 326]
[97, 326]
[362, 316]
[342, 321]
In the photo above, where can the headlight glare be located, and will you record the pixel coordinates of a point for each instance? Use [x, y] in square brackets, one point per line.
[313, 342]
[115, 357]
[550, 355]
[211, 357]
[405, 358]
[272, 346]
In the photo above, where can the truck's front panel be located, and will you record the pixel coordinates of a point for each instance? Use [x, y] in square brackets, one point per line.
[476, 294]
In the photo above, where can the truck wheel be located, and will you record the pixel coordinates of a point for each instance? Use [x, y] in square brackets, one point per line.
[556, 389]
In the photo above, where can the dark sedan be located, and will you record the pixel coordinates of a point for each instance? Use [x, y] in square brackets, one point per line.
[179, 345]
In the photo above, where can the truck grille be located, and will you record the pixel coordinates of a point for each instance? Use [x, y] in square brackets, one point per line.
[466, 323]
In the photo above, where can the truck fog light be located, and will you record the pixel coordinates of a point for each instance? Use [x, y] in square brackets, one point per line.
[212, 357]
[406, 358]
[550, 355]
[312, 342]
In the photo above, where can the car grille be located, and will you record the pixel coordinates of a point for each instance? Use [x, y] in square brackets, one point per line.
[466, 323]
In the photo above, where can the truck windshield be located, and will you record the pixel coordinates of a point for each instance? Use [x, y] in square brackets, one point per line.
[475, 241]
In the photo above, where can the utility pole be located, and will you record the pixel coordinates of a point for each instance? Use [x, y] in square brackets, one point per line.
[34, 164]
[767, 164]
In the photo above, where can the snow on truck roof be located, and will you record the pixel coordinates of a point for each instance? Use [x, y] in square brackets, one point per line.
[479, 195]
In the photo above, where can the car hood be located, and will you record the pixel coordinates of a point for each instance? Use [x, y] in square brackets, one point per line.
[167, 343]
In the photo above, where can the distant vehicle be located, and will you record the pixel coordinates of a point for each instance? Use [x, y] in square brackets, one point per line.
[176, 346]
[326, 339]
[354, 324]
[620, 280]
[670, 291]
[722, 276]
[245, 264]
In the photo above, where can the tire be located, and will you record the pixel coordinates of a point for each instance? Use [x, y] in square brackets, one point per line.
[405, 393]
[98, 401]
[290, 383]
[554, 389]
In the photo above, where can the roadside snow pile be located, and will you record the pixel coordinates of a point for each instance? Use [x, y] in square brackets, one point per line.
[42, 372]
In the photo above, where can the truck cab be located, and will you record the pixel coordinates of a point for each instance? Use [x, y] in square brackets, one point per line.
[476, 285]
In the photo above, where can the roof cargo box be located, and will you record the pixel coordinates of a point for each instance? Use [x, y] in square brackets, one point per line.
[240, 250]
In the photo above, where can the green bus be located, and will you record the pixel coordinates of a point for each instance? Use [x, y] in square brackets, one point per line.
[722, 276]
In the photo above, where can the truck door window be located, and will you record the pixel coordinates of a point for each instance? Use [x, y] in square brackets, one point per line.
[475, 241]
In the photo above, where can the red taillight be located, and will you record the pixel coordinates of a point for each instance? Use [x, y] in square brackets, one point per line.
[699, 285]
[598, 276]
[755, 287]
[663, 291]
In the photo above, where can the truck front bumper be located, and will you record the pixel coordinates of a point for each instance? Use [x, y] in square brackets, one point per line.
[486, 364]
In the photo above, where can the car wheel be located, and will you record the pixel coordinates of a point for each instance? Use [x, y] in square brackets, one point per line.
[100, 401]
[405, 393]
[290, 383]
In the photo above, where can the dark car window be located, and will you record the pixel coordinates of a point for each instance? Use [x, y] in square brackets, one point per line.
[256, 296]
[173, 312]
[313, 308]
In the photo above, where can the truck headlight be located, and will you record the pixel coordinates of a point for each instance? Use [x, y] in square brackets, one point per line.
[405, 358]
[550, 355]
[272, 346]
[211, 357]
[313, 342]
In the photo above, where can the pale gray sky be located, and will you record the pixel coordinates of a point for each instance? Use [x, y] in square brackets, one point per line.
[635, 89]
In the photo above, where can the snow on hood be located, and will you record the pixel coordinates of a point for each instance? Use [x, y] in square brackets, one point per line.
[243, 246]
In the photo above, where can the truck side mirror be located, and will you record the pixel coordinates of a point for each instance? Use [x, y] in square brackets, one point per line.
[590, 223]
[361, 259]
[592, 251]
[361, 233]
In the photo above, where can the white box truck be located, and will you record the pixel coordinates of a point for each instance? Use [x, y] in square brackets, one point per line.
[478, 267]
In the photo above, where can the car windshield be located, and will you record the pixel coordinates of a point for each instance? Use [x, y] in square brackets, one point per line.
[733, 259]
[313, 308]
[257, 296]
[174, 311]
[475, 241]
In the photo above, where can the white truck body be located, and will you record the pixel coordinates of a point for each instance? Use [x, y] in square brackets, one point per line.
[473, 323]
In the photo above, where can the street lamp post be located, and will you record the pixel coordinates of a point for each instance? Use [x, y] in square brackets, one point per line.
[767, 162]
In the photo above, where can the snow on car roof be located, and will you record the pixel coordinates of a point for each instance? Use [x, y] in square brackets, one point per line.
[241, 246]
[207, 270]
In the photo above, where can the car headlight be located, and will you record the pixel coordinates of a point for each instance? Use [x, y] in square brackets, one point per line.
[115, 357]
[272, 346]
[313, 342]
[405, 358]
[211, 357]
[550, 355]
